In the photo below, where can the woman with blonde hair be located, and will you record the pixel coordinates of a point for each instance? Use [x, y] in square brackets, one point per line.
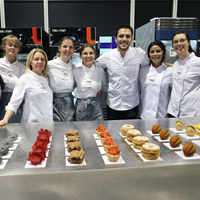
[10, 70]
[32, 88]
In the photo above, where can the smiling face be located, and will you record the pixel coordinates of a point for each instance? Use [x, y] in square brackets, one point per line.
[88, 57]
[181, 45]
[11, 49]
[66, 50]
[38, 63]
[156, 55]
[123, 39]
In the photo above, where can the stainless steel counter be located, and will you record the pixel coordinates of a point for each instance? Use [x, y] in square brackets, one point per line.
[171, 178]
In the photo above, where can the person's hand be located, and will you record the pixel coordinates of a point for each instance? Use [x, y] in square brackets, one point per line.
[3, 122]
[99, 93]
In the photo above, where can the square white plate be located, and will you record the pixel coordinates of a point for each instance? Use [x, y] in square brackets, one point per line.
[145, 160]
[69, 164]
[129, 143]
[135, 149]
[98, 142]
[3, 164]
[13, 147]
[101, 150]
[48, 146]
[193, 157]
[41, 165]
[185, 136]
[18, 140]
[107, 162]
[197, 142]
[180, 147]
[96, 137]
[176, 131]
[150, 132]
[158, 138]
[8, 155]
[122, 135]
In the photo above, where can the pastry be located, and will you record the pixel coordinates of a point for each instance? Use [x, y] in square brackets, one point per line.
[36, 157]
[125, 128]
[164, 134]
[113, 153]
[156, 129]
[179, 125]
[3, 150]
[139, 141]
[108, 142]
[7, 143]
[150, 151]
[189, 149]
[76, 157]
[100, 129]
[72, 133]
[190, 130]
[72, 138]
[175, 141]
[132, 133]
[13, 136]
[74, 146]
[104, 135]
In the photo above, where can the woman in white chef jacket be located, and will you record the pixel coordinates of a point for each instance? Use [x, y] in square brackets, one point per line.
[185, 96]
[2, 84]
[32, 88]
[10, 70]
[155, 83]
[62, 81]
[90, 81]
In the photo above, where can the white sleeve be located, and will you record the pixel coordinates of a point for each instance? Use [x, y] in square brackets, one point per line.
[9, 83]
[17, 96]
[101, 61]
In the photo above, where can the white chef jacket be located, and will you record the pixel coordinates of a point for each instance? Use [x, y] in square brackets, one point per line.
[60, 76]
[123, 76]
[155, 87]
[185, 96]
[10, 72]
[38, 97]
[89, 81]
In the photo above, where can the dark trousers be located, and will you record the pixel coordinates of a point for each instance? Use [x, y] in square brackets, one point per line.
[126, 114]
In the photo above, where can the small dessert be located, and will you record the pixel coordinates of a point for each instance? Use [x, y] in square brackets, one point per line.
[125, 128]
[109, 141]
[164, 134]
[74, 146]
[190, 130]
[175, 141]
[139, 141]
[189, 149]
[44, 133]
[113, 153]
[150, 151]
[36, 157]
[100, 129]
[179, 125]
[7, 143]
[72, 138]
[132, 133]
[72, 133]
[13, 136]
[3, 150]
[104, 135]
[76, 157]
[156, 129]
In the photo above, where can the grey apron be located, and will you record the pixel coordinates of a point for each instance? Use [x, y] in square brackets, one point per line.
[5, 99]
[89, 109]
[63, 107]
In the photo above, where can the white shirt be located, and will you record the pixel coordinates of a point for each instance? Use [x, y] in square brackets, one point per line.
[89, 81]
[60, 76]
[155, 86]
[185, 96]
[38, 106]
[123, 76]
[10, 73]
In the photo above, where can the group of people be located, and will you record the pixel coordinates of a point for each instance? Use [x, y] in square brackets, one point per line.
[44, 92]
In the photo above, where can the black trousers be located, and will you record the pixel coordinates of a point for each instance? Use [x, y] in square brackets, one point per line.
[126, 114]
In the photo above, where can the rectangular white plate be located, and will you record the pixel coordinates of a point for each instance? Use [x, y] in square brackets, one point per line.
[69, 164]
[158, 138]
[122, 135]
[96, 137]
[197, 142]
[150, 132]
[145, 160]
[129, 143]
[101, 150]
[180, 147]
[98, 142]
[107, 162]
[18, 140]
[48, 146]
[176, 131]
[135, 149]
[3, 164]
[185, 136]
[193, 157]
[8, 155]
[13, 147]
[41, 165]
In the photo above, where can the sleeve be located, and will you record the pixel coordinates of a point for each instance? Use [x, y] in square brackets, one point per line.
[144, 57]
[101, 61]
[17, 96]
[104, 82]
[9, 83]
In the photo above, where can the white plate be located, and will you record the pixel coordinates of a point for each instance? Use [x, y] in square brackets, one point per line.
[122, 135]
[65, 144]
[8, 155]
[3, 164]
[18, 140]
[197, 142]
[150, 132]
[193, 157]
[98, 142]
[176, 131]
[41, 165]
[101, 150]
[69, 164]
[96, 137]
[13, 147]
[48, 145]
[129, 143]
[135, 149]
[107, 162]
[185, 136]
[180, 147]
[158, 138]
[145, 160]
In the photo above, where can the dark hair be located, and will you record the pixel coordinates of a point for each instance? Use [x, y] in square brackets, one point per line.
[161, 45]
[87, 45]
[190, 50]
[124, 26]
[2, 84]
[67, 38]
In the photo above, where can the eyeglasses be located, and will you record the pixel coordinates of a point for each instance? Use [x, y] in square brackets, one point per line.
[15, 46]
[180, 41]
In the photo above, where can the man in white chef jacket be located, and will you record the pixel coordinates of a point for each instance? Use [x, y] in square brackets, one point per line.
[123, 68]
